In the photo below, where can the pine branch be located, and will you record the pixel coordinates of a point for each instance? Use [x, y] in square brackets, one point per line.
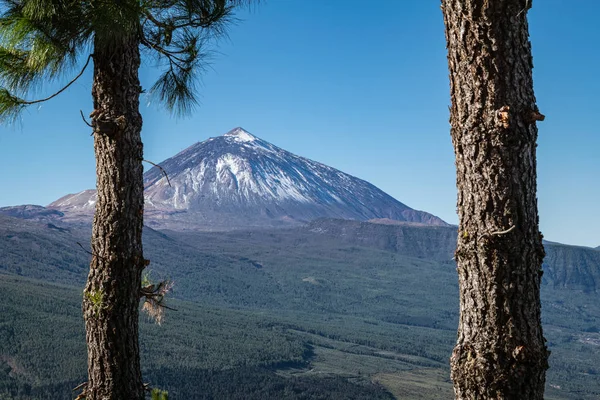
[11, 106]
[84, 120]
[161, 170]
[29, 102]
[173, 59]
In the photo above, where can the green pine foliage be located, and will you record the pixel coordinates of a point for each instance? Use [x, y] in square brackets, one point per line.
[41, 41]
[158, 394]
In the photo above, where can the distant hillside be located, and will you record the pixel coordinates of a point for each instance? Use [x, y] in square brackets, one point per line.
[421, 241]
[43, 250]
[30, 211]
[57, 253]
[572, 267]
[565, 267]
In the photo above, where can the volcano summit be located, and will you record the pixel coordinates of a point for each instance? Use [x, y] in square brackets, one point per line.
[240, 181]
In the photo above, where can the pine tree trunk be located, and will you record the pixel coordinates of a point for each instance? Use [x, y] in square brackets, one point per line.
[500, 351]
[111, 296]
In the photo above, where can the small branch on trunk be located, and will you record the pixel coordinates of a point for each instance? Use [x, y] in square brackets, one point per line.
[161, 170]
[527, 7]
[84, 120]
[89, 252]
[167, 307]
[106, 124]
[498, 233]
[534, 116]
[83, 387]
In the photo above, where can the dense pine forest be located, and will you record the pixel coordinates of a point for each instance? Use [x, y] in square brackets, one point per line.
[365, 315]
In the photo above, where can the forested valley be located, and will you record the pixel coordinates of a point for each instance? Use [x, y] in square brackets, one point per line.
[301, 313]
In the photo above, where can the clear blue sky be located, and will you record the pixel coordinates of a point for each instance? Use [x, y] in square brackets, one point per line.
[364, 90]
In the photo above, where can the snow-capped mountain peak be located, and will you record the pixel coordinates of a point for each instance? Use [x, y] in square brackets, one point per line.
[240, 135]
[239, 180]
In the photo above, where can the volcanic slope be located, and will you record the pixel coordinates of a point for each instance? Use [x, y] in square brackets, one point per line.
[240, 181]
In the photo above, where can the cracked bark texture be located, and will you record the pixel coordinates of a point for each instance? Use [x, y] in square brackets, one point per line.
[111, 295]
[500, 351]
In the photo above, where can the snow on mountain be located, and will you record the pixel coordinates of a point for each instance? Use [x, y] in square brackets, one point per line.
[81, 203]
[238, 180]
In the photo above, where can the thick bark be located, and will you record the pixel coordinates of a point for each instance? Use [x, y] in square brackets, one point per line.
[500, 351]
[111, 296]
